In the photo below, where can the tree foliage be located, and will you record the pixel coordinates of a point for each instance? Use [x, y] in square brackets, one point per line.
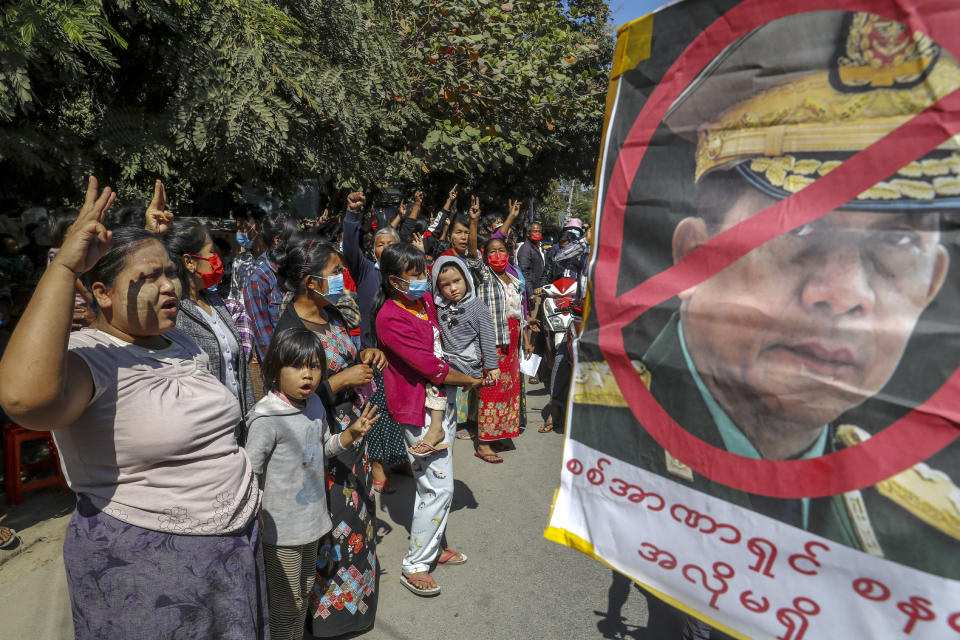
[211, 95]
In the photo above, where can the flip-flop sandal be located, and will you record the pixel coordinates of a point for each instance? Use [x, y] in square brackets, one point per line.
[492, 458]
[451, 557]
[546, 428]
[463, 434]
[410, 583]
[431, 449]
[8, 537]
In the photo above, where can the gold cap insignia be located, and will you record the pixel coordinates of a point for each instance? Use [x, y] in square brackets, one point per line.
[882, 53]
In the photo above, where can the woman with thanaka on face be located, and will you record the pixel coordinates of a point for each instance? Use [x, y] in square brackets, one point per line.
[146, 439]
[312, 271]
[501, 289]
[204, 315]
[407, 330]
[385, 442]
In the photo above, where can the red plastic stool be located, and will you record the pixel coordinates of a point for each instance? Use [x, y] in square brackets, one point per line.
[13, 437]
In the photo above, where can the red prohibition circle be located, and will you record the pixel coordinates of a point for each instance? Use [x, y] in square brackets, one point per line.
[913, 438]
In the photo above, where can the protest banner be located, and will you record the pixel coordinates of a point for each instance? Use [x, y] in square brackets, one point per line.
[763, 421]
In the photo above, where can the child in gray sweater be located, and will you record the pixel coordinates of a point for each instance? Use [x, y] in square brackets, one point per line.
[467, 341]
[288, 441]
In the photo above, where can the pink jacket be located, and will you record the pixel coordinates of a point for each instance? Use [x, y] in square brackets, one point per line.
[407, 341]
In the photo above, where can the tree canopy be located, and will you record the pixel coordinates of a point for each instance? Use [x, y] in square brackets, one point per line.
[208, 96]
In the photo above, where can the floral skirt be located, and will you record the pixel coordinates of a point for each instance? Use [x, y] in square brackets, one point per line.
[344, 595]
[129, 582]
[499, 415]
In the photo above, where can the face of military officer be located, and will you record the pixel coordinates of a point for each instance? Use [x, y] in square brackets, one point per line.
[812, 323]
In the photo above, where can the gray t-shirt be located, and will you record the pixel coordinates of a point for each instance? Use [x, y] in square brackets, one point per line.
[156, 447]
[288, 448]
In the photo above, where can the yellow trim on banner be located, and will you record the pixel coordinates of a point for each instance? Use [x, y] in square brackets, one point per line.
[633, 45]
[572, 540]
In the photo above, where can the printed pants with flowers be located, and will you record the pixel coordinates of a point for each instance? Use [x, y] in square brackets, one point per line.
[431, 505]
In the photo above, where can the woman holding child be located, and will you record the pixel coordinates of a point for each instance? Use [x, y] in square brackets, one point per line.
[344, 595]
[407, 331]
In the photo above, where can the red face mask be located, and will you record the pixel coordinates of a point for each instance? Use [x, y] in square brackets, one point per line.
[498, 261]
[536, 237]
[213, 278]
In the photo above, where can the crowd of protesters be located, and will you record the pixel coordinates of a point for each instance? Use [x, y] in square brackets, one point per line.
[226, 420]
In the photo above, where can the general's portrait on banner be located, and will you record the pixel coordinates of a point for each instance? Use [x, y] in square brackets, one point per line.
[786, 288]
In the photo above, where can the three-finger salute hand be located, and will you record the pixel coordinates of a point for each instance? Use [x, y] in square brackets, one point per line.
[474, 208]
[158, 219]
[87, 240]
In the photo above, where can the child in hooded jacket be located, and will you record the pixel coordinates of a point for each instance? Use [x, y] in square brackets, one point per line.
[288, 441]
[467, 339]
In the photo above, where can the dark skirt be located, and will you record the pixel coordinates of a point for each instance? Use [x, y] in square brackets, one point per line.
[128, 582]
[385, 438]
[344, 596]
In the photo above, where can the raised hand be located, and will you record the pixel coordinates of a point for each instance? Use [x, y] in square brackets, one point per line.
[474, 208]
[362, 425]
[418, 197]
[452, 196]
[402, 207]
[513, 208]
[417, 241]
[87, 240]
[355, 201]
[157, 217]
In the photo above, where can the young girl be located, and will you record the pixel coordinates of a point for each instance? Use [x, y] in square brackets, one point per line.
[287, 442]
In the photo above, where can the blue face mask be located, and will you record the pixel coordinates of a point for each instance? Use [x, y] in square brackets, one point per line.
[416, 289]
[334, 287]
[244, 240]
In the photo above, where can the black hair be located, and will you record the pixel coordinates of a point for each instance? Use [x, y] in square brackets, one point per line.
[58, 222]
[394, 260]
[293, 347]
[488, 219]
[184, 236]
[568, 236]
[248, 212]
[126, 240]
[462, 219]
[271, 226]
[129, 215]
[4, 236]
[307, 255]
[223, 246]
[332, 231]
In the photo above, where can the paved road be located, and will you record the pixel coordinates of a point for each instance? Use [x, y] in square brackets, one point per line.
[515, 585]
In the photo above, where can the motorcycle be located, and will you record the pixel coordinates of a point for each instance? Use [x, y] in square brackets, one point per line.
[559, 298]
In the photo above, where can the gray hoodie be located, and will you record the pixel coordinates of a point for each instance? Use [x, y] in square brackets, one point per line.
[288, 448]
[466, 327]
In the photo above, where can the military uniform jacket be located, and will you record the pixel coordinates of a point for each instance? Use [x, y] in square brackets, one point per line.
[891, 529]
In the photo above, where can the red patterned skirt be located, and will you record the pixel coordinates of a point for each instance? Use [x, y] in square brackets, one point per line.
[499, 415]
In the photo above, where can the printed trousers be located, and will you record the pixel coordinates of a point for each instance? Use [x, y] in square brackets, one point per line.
[431, 504]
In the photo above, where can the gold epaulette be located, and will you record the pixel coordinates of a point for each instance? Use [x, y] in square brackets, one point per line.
[927, 493]
[594, 383]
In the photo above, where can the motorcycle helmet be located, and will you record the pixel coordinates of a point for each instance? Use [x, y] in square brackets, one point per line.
[575, 225]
